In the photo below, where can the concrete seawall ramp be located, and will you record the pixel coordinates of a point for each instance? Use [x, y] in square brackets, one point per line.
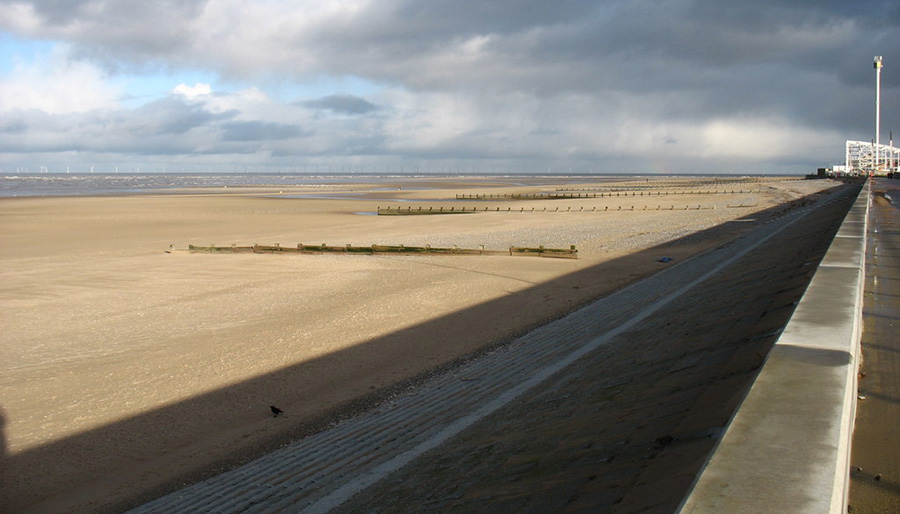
[787, 449]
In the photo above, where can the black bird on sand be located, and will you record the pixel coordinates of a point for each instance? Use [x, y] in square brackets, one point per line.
[275, 411]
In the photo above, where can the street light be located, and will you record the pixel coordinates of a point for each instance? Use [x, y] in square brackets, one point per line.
[878, 65]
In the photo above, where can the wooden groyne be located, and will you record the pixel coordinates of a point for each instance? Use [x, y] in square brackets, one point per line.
[607, 194]
[415, 211]
[634, 185]
[409, 211]
[540, 251]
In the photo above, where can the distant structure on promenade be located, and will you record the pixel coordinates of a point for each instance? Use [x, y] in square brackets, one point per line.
[869, 157]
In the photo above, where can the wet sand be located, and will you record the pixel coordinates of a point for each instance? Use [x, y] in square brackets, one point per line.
[127, 371]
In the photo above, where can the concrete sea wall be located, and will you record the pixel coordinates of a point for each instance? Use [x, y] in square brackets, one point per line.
[787, 448]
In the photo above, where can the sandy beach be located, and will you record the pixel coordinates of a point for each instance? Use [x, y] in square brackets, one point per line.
[127, 371]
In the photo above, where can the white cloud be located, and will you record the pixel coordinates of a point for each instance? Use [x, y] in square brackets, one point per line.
[196, 92]
[765, 138]
[57, 84]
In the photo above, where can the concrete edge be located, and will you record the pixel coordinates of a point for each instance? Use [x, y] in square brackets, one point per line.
[787, 447]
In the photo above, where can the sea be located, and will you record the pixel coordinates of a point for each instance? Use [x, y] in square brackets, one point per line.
[99, 184]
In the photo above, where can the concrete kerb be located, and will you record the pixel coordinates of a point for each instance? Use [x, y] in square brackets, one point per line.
[787, 448]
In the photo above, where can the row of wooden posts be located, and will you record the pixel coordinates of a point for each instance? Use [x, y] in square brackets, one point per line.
[668, 184]
[420, 211]
[569, 196]
[540, 251]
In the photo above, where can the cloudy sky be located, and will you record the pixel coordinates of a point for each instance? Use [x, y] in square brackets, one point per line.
[639, 86]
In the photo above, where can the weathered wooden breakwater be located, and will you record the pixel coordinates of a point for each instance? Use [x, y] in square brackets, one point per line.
[607, 194]
[540, 251]
[415, 211]
[663, 184]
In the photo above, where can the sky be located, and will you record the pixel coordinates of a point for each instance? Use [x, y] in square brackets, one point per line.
[509, 86]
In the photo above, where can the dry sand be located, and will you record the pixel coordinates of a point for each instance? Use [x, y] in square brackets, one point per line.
[126, 370]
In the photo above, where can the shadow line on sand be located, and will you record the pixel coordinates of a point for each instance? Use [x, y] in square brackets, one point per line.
[72, 475]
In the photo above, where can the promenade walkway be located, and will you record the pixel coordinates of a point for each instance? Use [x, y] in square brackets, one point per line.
[613, 408]
[875, 456]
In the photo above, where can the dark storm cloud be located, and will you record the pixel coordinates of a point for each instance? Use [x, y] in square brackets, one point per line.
[13, 124]
[167, 126]
[173, 116]
[101, 28]
[259, 131]
[342, 104]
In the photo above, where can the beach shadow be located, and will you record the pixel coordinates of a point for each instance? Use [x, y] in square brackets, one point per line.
[2, 442]
[881, 347]
[77, 460]
[816, 356]
[868, 479]
[870, 313]
[879, 395]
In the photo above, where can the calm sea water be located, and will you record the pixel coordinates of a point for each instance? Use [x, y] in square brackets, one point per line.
[91, 184]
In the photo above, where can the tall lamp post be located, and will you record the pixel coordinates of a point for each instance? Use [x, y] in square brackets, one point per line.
[878, 65]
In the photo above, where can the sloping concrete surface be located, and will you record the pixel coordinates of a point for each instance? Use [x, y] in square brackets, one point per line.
[787, 448]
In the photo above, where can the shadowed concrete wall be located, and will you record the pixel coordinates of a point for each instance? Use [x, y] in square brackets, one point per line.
[787, 448]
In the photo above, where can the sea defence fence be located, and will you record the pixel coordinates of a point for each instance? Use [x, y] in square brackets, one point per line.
[539, 251]
[410, 210]
[424, 211]
[787, 448]
[608, 194]
[719, 182]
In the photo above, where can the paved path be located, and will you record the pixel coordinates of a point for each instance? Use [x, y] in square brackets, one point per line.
[876, 439]
[615, 406]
